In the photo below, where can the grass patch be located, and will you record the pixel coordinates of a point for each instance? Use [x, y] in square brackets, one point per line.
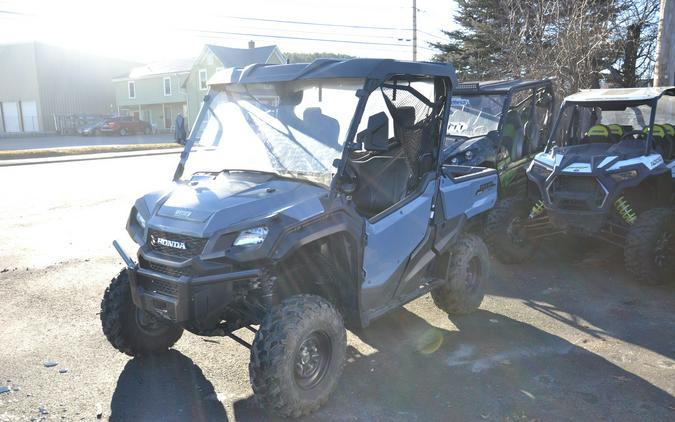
[92, 149]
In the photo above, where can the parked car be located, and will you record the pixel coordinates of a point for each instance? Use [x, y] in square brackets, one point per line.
[125, 125]
[331, 207]
[91, 129]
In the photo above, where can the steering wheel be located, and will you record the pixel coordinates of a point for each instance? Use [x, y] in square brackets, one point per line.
[631, 135]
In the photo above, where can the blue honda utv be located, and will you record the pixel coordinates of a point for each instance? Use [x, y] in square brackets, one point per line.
[308, 197]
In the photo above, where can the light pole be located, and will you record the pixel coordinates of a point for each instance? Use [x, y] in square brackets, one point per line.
[414, 27]
[664, 70]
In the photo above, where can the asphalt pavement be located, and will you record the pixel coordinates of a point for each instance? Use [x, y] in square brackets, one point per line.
[41, 142]
[568, 336]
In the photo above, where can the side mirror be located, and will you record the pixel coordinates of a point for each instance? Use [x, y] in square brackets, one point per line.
[375, 137]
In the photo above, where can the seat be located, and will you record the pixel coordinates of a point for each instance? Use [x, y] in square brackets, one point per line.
[382, 181]
[324, 128]
[616, 130]
[670, 132]
[513, 137]
[663, 142]
[598, 134]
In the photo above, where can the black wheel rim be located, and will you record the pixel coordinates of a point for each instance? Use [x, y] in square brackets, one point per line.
[149, 324]
[312, 360]
[473, 274]
[514, 231]
[664, 253]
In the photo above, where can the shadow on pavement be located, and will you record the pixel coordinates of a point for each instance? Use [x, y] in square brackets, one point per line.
[168, 387]
[583, 283]
[493, 368]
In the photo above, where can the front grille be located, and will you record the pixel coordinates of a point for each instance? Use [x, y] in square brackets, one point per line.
[577, 193]
[171, 271]
[158, 286]
[193, 245]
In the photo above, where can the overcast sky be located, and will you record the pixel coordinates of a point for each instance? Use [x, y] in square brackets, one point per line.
[153, 30]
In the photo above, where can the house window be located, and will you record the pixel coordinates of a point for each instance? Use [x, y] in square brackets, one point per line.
[167, 86]
[132, 90]
[202, 79]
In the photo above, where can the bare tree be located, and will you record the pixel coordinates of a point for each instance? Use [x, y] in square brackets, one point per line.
[574, 41]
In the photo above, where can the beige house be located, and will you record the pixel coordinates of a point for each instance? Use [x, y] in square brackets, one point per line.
[214, 58]
[154, 92]
[157, 92]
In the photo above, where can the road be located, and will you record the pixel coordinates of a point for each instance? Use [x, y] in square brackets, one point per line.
[566, 337]
[40, 142]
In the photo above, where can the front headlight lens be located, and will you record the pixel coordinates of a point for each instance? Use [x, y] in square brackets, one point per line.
[140, 219]
[469, 155]
[454, 161]
[251, 237]
[624, 175]
[540, 170]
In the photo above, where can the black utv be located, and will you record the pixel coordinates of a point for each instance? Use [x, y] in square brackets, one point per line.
[501, 125]
[308, 196]
[607, 172]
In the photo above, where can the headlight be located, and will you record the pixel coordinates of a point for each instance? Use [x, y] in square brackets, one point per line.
[469, 155]
[540, 170]
[140, 219]
[624, 175]
[251, 237]
[454, 160]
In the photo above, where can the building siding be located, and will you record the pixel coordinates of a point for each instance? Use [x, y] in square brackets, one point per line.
[18, 76]
[74, 83]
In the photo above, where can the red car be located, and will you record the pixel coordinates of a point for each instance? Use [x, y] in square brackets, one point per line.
[125, 125]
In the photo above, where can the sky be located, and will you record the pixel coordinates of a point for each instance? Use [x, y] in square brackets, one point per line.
[150, 30]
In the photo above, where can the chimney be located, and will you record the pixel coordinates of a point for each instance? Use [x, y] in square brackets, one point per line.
[251, 44]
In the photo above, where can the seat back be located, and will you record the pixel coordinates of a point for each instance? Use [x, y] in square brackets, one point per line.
[598, 134]
[513, 135]
[616, 130]
[324, 128]
[382, 181]
[663, 142]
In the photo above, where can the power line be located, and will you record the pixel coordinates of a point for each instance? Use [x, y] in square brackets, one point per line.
[315, 23]
[288, 37]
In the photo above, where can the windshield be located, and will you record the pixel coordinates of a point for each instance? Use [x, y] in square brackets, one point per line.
[475, 115]
[294, 129]
[614, 123]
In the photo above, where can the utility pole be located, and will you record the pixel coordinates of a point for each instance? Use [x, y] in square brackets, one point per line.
[414, 30]
[664, 70]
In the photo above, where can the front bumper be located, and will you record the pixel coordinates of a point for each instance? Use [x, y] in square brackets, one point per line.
[183, 298]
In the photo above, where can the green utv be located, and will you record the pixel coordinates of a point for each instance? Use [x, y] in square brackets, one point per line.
[500, 125]
[309, 197]
[607, 172]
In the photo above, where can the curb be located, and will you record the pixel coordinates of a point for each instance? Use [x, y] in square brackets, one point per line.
[88, 157]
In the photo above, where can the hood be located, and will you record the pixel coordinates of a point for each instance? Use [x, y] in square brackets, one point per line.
[588, 158]
[482, 146]
[208, 204]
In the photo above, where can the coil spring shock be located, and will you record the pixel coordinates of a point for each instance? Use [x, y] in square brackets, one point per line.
[625, 210]
[537, 209]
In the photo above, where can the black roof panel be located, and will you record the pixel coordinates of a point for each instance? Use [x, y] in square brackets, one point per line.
[497, 87]
[380, 69]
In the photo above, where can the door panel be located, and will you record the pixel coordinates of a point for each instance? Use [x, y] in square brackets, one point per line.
[30, 116]
[391, 240]
[10, 111]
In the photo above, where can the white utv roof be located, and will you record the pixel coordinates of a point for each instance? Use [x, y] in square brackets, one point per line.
[620, 94]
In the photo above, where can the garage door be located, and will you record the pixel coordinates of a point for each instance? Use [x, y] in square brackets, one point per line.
[10, 114]
[30, 116]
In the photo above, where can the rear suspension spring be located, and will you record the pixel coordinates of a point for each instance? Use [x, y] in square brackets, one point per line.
[537, 209]
[625, 210]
